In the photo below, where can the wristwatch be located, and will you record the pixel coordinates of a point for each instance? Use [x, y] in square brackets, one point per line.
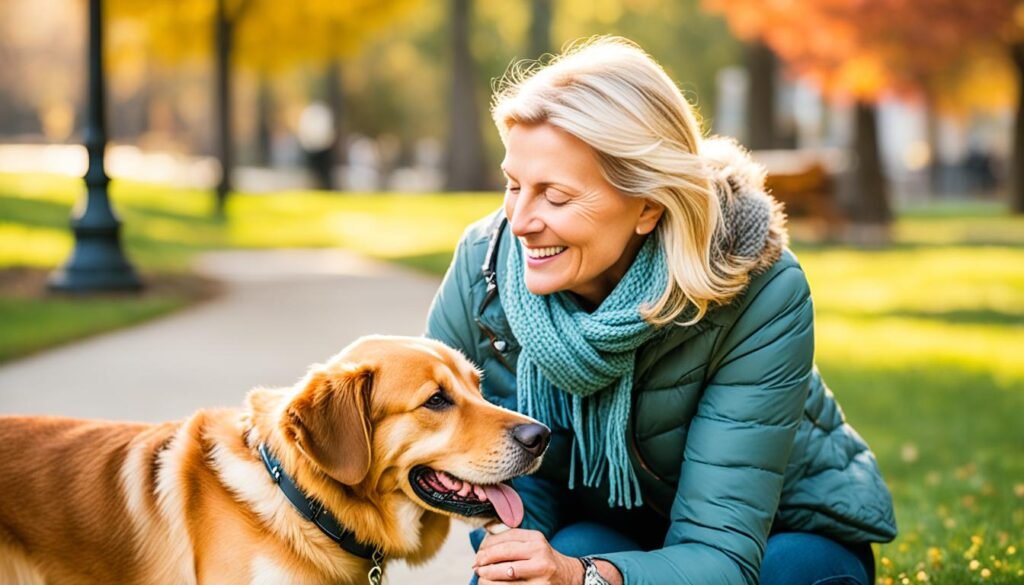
[590, 574]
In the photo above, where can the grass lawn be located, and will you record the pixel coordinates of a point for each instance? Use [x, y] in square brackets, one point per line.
[923, 341]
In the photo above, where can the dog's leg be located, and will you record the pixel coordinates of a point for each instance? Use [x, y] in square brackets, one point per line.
[16, 568]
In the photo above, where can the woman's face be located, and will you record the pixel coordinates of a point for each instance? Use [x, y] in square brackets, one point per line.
[579, 233]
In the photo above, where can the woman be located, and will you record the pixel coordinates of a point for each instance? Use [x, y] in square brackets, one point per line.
[636, 294]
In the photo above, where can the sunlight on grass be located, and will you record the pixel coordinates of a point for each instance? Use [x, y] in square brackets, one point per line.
[32, 246]
[918, 280]
[905, 342]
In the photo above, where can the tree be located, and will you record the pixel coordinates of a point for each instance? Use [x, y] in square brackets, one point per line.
[260, 35]
[761, 65]
[540, 27]
[863, 49]
[467, 165]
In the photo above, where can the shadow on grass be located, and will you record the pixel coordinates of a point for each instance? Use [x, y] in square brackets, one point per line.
[954, 415]
[34, 212]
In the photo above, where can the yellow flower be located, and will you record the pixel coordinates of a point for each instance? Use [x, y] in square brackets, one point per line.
[1018, 489]
[1011, 550]
[975, 539]
[905, 581]
[974, 565]
[908, 452]
[934, 555]
[922, 576]
[886, 562]
[985, 573]
[949, 523]
[903, 547]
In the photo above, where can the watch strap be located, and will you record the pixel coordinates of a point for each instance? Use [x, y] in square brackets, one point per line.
[591, 576]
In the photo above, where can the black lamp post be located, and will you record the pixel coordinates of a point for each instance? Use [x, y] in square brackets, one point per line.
[97, 262]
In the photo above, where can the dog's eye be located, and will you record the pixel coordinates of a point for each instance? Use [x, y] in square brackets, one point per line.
[438, 401]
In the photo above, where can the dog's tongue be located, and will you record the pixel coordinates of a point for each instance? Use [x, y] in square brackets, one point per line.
[507, 503]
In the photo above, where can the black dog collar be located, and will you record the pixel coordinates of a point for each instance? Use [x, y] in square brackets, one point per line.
[314, 511]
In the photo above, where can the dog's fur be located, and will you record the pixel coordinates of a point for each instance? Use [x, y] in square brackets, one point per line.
[89, 502]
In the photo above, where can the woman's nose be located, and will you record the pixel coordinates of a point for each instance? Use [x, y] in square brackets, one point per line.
[521, 216]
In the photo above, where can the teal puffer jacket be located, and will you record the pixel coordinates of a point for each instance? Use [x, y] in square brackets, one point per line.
[733, 433]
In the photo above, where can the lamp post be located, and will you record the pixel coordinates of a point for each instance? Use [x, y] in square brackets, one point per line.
[97, 262]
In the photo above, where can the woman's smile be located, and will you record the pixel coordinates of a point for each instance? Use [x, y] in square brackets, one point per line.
[540, 256]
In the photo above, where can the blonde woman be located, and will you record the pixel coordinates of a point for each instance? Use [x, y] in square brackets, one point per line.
[636, 294]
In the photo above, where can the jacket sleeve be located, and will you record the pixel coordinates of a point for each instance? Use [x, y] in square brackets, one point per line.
[450, 319]
[738, 445]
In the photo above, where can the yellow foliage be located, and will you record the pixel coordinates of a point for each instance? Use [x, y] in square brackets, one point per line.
[267, 35]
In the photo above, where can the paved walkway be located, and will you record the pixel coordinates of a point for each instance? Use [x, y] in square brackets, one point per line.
[281, 311]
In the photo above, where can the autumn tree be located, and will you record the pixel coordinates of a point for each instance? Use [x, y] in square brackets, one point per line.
[259, 35]
[864, 49]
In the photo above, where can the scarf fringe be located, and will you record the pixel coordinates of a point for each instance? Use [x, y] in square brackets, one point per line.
[576, 368]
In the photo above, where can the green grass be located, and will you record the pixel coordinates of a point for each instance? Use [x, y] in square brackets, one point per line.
[31, 324]
[924, 348]
[922, 341]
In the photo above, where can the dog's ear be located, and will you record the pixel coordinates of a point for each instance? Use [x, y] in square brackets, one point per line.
[329, 421]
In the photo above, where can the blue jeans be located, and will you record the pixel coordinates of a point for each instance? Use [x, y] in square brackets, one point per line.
[791, 558]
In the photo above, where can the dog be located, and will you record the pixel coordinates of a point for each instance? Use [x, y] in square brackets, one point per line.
[384, 444]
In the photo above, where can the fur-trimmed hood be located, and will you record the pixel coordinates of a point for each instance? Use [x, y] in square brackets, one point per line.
[754, 222]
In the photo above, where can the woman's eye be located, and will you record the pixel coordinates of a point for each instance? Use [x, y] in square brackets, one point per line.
[512, 189]
[556, 199]
[437, 402]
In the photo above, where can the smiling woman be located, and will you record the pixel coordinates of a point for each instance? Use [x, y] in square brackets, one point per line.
[578, 232]
[635, 294]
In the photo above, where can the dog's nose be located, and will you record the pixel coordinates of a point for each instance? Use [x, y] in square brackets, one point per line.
[532, 437]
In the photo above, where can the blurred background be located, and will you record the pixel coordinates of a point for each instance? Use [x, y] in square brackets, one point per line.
[892, 130]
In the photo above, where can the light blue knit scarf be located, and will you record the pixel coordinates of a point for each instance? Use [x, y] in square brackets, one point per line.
[575, 370]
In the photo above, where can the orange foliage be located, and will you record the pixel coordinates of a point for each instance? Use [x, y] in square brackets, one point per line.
[866, 47]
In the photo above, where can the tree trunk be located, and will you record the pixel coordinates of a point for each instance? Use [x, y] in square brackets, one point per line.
[936, 185]
[222, 102]
[264, 121]
[1017, 157]
[760, 61]
[466, 170]
[540, 27]
[870, 212]
[335, 93]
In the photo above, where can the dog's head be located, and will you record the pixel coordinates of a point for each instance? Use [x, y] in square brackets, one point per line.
[408, 413]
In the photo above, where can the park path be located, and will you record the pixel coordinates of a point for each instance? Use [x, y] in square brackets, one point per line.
[281, 311]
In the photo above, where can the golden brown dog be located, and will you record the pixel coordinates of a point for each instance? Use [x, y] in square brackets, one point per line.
[391, 437]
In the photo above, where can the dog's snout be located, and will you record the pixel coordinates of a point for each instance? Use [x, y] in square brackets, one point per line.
[532, 437]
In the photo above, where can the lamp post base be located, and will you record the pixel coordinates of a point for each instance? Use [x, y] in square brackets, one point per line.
[96, 264]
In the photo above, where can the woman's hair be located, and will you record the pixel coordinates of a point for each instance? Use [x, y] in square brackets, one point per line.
[612, 95]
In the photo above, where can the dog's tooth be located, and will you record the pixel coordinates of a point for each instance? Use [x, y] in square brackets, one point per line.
[466, 488]
[436, 483]
[449, 481]
[481, 493]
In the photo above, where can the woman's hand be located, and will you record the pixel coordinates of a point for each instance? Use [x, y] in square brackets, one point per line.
[524, 556]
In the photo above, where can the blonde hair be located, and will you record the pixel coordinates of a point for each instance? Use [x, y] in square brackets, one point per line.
[615, 97]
